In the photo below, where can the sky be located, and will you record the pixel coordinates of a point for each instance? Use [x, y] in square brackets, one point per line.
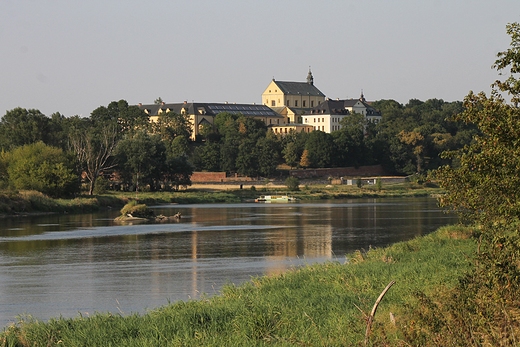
[72, 56]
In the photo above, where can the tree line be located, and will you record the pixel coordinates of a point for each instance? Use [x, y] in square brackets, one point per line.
[67, 154]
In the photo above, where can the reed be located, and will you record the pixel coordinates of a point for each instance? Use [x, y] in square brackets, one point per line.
[316, 305]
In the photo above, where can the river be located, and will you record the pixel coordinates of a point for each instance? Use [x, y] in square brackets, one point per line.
[67, 265]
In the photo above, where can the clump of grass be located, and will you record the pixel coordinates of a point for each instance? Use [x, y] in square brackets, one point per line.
[39, 201]
[135, 209]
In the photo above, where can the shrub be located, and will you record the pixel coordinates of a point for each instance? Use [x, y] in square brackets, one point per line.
[292, 183]
[137, 210]
[42, 168]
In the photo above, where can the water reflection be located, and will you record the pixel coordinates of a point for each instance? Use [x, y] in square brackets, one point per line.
[66, 264]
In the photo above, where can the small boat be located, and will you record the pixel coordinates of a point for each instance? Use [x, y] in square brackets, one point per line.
[275, 198]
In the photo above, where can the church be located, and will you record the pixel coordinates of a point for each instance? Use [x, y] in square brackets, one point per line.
[286, 107]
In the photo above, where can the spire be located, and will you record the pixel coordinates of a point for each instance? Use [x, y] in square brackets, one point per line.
[362, 97]
[310, 79]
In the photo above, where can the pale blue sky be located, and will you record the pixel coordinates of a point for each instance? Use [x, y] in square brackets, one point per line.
[73, 56]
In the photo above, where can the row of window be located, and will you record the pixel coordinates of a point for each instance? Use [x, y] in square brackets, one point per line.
[306, 120]
[288, 103]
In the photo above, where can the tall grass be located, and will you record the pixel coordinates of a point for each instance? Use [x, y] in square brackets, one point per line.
[317, 305]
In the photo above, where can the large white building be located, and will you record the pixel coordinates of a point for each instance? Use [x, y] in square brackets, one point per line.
[327, 115]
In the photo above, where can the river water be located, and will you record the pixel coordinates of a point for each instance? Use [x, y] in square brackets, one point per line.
[67, 265]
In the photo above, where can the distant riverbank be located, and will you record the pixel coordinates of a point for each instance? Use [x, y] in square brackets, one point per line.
[30, 202]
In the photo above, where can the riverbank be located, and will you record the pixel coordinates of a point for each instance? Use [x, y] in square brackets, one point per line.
[30, 202]
[318, 305]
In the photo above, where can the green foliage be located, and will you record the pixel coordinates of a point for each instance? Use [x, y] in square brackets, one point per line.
[171, 125]
[305, 160]
[320, 148]
[484, 188]
[292, 183]
[350, 141]
[136, 210]
[379, 184]
[101, 186]
[42, 168]
[142, 157]
[20, 127]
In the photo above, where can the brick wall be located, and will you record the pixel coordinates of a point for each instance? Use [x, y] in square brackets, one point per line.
[208, 177]
[374, 170]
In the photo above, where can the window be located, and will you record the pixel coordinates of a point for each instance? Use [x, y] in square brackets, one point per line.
[312, 103]
[273, 103]
[304, 104]
[318, 120]
[323, 120]
[295, 103]
[314, 120]
[288, 103]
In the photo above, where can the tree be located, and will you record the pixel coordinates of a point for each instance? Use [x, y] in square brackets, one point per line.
[247, 158]
[141, 158]
[415, 140]
[94, 147]
[269, 155]
[305, 161]
[178, 172]
[349, 140]
[20, 127]
[320, 149]
[207, 157]
[170, 125]
[484, 188]
[43, 168]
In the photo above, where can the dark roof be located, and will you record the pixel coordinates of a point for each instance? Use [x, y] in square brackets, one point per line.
[295, 88]
[329, 107]
[212, 109]
[338, 107]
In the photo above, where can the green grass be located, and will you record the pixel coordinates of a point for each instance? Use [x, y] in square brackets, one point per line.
[317, 305]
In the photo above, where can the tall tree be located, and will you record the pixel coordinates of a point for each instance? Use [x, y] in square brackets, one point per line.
[485, 189]
[20, 127]
[94, 147]
[142, 158]
[320, 148]
[350, 140]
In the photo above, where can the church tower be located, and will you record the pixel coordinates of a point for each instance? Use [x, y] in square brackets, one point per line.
[310, 79]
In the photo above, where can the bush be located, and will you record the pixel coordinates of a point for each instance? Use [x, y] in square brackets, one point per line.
[292, 183]
[136, 210]
[42, 168]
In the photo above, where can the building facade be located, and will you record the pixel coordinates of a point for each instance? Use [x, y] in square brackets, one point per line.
[294, 98]
[202, 114]
[328, 115]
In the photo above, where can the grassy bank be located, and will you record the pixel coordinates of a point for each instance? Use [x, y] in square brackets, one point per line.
[13, 202]
[318, 305]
